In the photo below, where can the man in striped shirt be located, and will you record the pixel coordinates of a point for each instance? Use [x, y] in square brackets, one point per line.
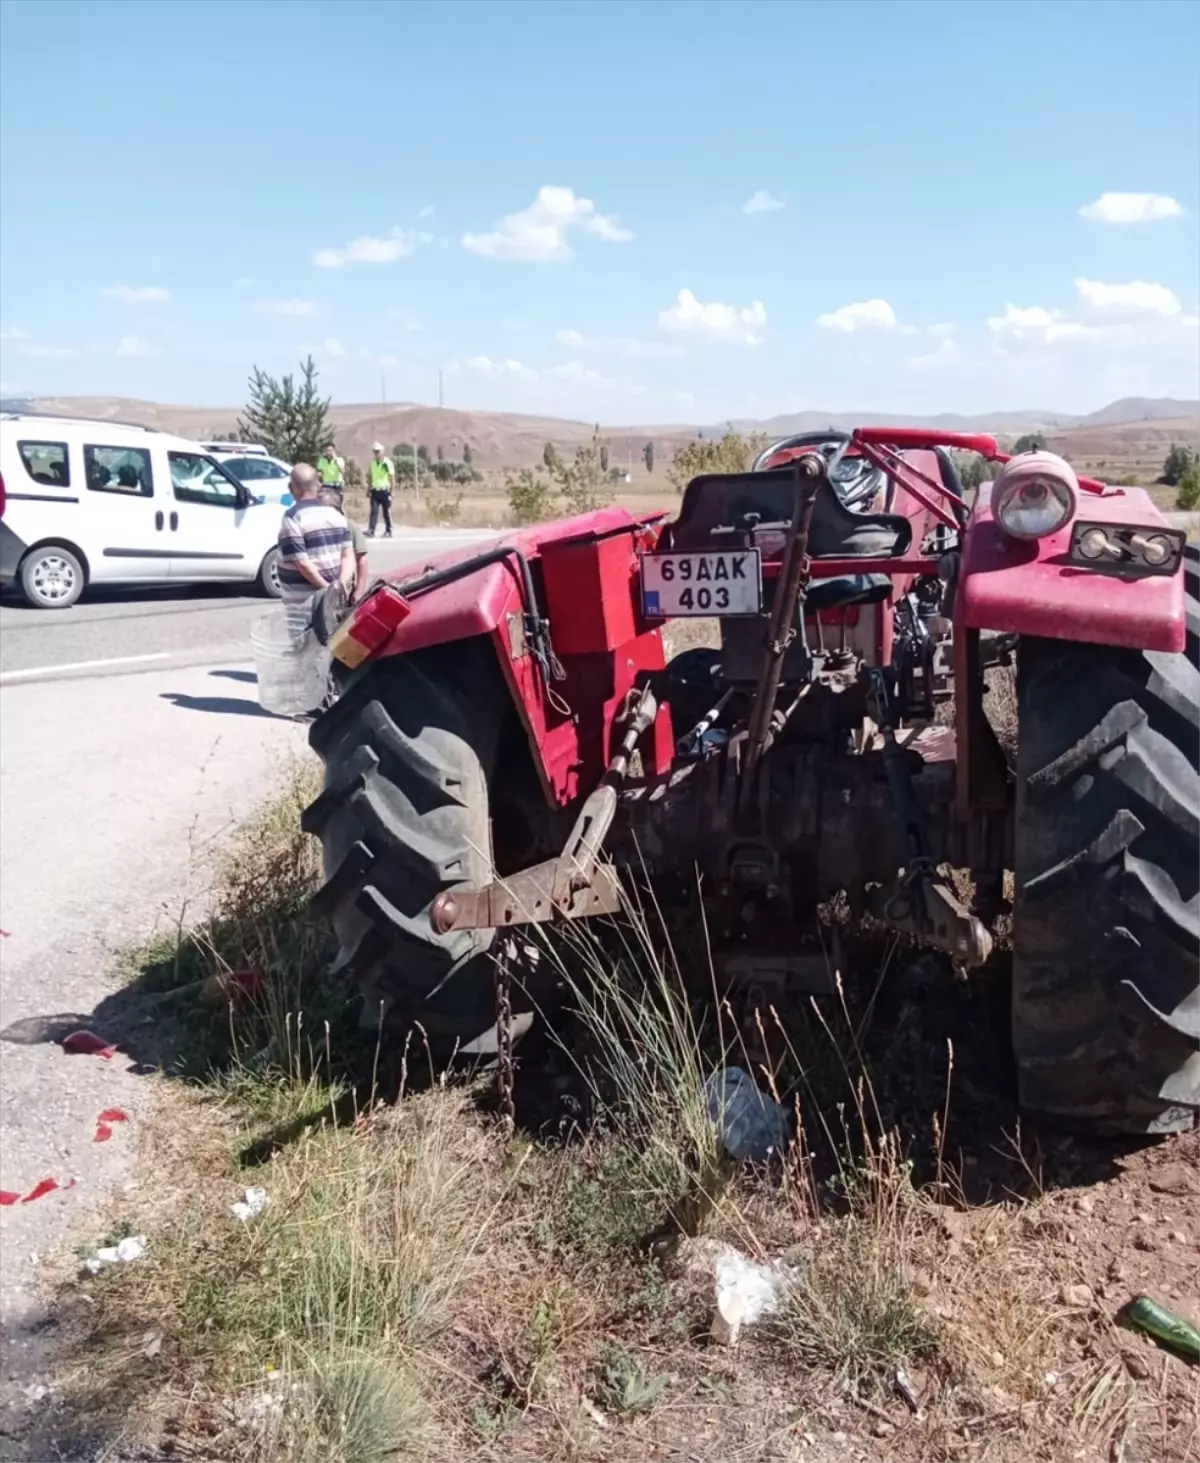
[315, 546]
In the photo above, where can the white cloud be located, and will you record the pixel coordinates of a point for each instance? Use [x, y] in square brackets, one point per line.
[405, 319]
[863, 315]
[369, 249]
[1135, 298]
[552, 379]
[1018, 318]
[1036, 324]
[134, 345]
[627, 347]
[330, 347]
[286, 307]
[942, 331]
[539, 232]
[149, 294]
[485, 366]
[1131, 315]
[13, 332]
[1131, 208]
[52, 352]
[387, 361]
[763, 202]
[578, 372]
[744, 325]
[946, 354]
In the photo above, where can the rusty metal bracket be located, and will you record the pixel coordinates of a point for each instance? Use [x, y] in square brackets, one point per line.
[922, 903]
[571, 886]
[523, 899]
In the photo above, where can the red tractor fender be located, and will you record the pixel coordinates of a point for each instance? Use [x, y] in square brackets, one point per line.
[1031, 587]
[584, 571]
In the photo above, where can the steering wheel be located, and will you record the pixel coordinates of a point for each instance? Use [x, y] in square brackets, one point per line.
[856, 481]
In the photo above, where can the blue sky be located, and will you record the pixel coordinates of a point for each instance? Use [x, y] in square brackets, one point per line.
[668, 210]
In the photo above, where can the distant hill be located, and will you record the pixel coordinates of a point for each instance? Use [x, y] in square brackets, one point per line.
[1139, 409]
[1128, 435]
[1129, 409]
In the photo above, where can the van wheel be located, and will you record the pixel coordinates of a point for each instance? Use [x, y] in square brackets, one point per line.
[268, 576]
[52, 578]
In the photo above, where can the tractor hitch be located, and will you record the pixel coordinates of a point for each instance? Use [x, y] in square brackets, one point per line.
[573, 885]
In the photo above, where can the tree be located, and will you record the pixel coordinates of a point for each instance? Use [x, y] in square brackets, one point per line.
[529, 495]
[1178, 460]
[423, 454]
[441, 454]
[648, 456]
[290, 420]
[583, 482]
[402, 449]
[1030, 442]
[732, 453]
[356, 478]
[1187, 494]
[604, 458]
[973, 469]
[466, 457]
[549, 455]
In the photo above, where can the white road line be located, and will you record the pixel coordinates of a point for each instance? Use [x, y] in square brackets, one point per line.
[83, 665]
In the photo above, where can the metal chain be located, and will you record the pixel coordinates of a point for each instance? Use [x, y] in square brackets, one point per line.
[504, 1056]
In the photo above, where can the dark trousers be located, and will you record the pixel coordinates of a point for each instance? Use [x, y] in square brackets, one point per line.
[380, 498]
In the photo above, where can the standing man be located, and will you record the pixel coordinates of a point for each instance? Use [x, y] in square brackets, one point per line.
[332, 468]
[383, 478]
[315, 546]
[357, 580]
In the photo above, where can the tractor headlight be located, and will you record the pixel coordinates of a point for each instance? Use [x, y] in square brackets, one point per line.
[1034, 495]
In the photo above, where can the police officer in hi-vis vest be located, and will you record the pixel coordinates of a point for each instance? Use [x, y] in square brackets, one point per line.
[383, 478]
[332, 469]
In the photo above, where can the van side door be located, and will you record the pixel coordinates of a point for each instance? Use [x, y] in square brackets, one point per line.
[208, 510]
[124, 525]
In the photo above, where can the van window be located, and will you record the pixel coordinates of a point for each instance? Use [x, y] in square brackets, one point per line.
[196, 479]
[46, 462]
[118, 470]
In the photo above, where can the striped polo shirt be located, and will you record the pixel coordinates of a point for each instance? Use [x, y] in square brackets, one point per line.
[314, 531]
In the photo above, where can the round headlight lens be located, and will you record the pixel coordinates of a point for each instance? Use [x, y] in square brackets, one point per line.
[1034, 495]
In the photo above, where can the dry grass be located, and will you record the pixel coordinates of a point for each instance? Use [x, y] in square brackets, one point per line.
[418, 1288]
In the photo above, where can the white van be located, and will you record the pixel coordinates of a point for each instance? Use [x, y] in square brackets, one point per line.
[93, 502]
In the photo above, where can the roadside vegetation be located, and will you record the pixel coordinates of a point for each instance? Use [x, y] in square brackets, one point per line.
[421, 1285]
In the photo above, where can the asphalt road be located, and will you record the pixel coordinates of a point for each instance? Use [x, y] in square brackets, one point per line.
[115, 632]
[119, 776]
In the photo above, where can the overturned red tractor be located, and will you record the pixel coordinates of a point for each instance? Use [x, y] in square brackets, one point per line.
[510, 735]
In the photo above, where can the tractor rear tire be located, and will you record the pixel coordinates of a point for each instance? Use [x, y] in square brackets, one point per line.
[1106, 930]
[408, 752]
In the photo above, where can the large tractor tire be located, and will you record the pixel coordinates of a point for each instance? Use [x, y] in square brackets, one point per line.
[1106, 933]
[408, 752]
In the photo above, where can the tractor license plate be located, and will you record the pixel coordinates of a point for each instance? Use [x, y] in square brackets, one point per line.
[728, 582]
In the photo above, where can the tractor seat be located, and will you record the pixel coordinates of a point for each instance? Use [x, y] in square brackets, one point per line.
[714, 510]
